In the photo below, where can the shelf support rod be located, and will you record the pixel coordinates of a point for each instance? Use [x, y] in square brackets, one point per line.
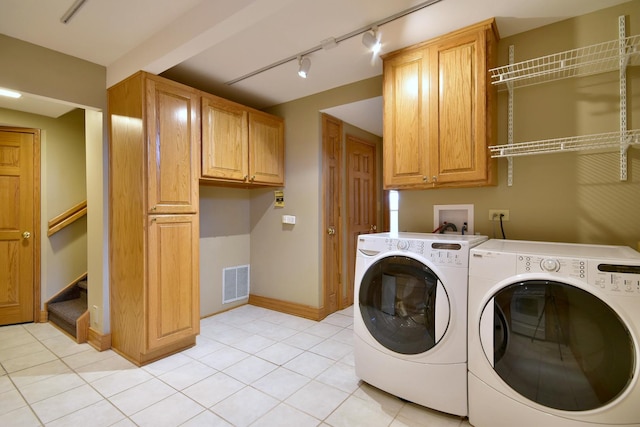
[510, 120]
[624, 144]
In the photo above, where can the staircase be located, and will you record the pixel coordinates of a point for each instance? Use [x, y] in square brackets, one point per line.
[68, 310]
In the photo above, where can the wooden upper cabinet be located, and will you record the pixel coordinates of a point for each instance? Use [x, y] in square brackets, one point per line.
[266, 149]
[406, 112]
[173, 132]
[240, 146]
[439, 111]
[225, 140]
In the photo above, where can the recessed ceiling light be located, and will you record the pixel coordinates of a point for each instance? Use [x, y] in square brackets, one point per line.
[10, 93]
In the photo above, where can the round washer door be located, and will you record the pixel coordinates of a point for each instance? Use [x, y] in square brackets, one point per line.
[404, 305]
[557, 345]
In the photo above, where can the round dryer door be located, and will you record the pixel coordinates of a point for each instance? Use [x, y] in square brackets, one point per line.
[404, 305]
[557, 345]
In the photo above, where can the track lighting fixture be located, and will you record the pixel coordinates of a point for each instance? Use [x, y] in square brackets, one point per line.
[305, 65]
[72, 11]
[371, 39]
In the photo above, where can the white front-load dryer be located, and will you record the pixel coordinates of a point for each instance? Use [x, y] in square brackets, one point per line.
[410, 308]
[553, 335]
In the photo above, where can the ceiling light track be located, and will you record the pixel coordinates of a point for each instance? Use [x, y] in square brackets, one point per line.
[72, 11]
[334, 41]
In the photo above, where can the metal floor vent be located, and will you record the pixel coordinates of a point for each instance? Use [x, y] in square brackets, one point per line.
[235, 283]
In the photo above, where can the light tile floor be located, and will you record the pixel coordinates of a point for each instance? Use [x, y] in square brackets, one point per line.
[250, 367]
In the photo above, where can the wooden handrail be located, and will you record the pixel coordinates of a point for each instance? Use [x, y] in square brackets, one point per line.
[67, 217]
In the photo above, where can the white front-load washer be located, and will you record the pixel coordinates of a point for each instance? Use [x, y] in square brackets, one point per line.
[553, 335]
[410, 308]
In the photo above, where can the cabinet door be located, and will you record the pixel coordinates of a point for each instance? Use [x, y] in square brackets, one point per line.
[173, 279]
[406, 112]
[224, 140]
[458, 109]
[266, 149]
[173, 132]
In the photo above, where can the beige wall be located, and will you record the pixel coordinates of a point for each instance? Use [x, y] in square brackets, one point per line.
[62, 186]
[82, 83]
[572, 197]
[286, 261]
[224, 242]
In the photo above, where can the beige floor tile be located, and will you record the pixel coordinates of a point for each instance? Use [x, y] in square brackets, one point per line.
[186, 375]
[358, 412]
[172, 411]
[66, 403]
[250, 369]
[244, 407]
[141, 396]
[281, 383]
[39, 373]
[285, 416]
[21, 417]
[317, 399]
[213, 389]
[100, 414]
[120, 381]
[51, 386]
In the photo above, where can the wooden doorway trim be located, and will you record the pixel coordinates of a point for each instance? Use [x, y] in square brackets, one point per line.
[332, 289]
[34, 182]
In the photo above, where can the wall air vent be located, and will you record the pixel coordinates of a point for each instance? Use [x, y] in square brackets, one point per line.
[235, 283]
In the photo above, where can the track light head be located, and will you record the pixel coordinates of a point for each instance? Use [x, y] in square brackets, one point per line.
[371, 39]
[304, 66]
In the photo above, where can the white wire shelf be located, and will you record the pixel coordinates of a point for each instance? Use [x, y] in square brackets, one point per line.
[619, 140]
[594, 59]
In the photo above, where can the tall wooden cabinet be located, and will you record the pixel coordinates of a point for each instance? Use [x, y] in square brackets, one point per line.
[240, 145]
[154, 137]
[439, 111]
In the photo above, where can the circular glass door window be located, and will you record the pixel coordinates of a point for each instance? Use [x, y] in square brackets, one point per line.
[397, 300]
[559, 346]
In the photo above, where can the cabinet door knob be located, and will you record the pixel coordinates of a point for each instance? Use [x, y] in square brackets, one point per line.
[26, 235]
[373, 228]
[331, 231]
[425, 178]
[434, 178]
[253, 178]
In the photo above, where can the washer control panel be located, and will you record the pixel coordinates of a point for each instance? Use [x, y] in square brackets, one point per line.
[441, 253]
[612, 277]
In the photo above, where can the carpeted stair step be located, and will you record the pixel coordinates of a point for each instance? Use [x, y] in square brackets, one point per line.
[69, 307]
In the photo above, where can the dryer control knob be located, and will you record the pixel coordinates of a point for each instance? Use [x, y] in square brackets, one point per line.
[403, 245]
[550, 264]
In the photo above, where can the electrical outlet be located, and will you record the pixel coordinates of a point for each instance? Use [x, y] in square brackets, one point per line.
[494, 214]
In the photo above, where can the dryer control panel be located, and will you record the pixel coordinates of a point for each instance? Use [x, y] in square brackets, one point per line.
[614, 277]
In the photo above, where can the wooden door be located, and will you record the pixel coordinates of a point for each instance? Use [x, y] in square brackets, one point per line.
[173, 302]
[173, 147]
[225, 140]
[19, 225]
[406, 112]
[266, 149]
[458, 120]
[333, 292]
[361, 200]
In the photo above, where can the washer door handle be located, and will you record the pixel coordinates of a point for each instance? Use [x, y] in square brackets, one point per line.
[487, 326]
[443, 312]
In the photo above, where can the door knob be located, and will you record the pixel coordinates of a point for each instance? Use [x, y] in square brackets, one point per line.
[26, 235]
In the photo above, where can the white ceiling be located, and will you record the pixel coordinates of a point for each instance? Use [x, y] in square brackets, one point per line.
[207, 43]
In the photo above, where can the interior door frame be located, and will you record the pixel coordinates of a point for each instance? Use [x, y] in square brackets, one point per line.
[38, 315]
